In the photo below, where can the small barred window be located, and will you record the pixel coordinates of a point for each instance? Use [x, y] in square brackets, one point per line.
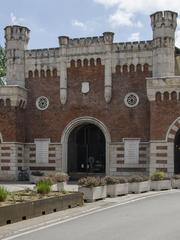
[131, 100]
[42, 103]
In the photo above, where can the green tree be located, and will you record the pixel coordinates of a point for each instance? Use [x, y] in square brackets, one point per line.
[2, 66]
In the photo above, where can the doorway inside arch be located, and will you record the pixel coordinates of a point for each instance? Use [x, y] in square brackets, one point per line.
[177, 153]
[86, 151]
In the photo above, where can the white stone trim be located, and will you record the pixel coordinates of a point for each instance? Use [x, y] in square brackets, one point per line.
[1, 139]
[157, 141]
[171, 136]
[175, 128]
[168, 135]
[108, 75]
[76, 122]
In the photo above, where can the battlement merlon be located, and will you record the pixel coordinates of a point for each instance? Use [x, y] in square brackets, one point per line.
[164, 24]
[17, 37]
[107, 38]
[79, 49]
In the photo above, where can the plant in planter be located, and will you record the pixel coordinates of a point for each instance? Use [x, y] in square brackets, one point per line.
[36, 176]
[44, 186]
[116, 186]
[3, 194]
[138, 184]
[93, 188]
[60, 178]
[159, 181]
[47, 179]
[176, 181]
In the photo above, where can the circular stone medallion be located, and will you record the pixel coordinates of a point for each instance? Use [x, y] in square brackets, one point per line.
[42, 103]
[131, 100]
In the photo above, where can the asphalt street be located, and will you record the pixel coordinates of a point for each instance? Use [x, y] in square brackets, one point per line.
[154, 218]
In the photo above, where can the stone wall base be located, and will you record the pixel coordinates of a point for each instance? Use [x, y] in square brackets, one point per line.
[156, 155]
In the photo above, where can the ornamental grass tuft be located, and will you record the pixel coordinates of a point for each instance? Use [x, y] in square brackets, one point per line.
[43, 186]
[3, 194]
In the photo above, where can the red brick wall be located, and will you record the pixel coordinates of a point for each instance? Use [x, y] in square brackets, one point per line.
[162, 115]
[120, 120]
[12, 124]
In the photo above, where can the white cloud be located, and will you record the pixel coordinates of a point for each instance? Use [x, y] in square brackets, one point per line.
[77, 23]
[123, 18]
[126, 11]
[120, 18]
[15, 20]
[139, 24]
[107, 3]
[134, 37]
[142, 6]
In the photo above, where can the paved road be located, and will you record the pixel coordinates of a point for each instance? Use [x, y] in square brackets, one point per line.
[153, 218]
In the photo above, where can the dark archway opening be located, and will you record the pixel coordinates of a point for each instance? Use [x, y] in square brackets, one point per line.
[86, 151]
[177, 153]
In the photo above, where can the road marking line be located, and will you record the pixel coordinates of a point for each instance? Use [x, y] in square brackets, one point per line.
[42, 224]
[91, 209]
[82, 215]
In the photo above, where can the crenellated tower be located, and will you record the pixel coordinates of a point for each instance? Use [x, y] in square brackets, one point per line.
[17, 38]
[163, 26]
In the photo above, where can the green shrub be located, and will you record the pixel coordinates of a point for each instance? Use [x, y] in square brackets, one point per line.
[91, 182]
[3, 194]
[43, 187]
[158, 176]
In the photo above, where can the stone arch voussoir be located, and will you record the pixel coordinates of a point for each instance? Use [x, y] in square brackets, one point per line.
[171, 133]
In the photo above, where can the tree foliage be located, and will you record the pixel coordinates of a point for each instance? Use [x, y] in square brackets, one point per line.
[2, 65]
[2, 62]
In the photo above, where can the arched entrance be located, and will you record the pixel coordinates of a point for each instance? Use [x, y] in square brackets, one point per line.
[86, 151]
[177, 153]
[79, 122]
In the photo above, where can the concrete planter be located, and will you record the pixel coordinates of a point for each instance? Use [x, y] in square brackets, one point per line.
[22, 211]
[139, 187]
[60, 186]
[114, 190]
[94, 193]
[175, 183]
[161, 185]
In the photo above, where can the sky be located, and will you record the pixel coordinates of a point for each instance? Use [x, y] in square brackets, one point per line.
[48, 19]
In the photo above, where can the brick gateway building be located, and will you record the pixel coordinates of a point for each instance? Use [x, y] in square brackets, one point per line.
[92, 106]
